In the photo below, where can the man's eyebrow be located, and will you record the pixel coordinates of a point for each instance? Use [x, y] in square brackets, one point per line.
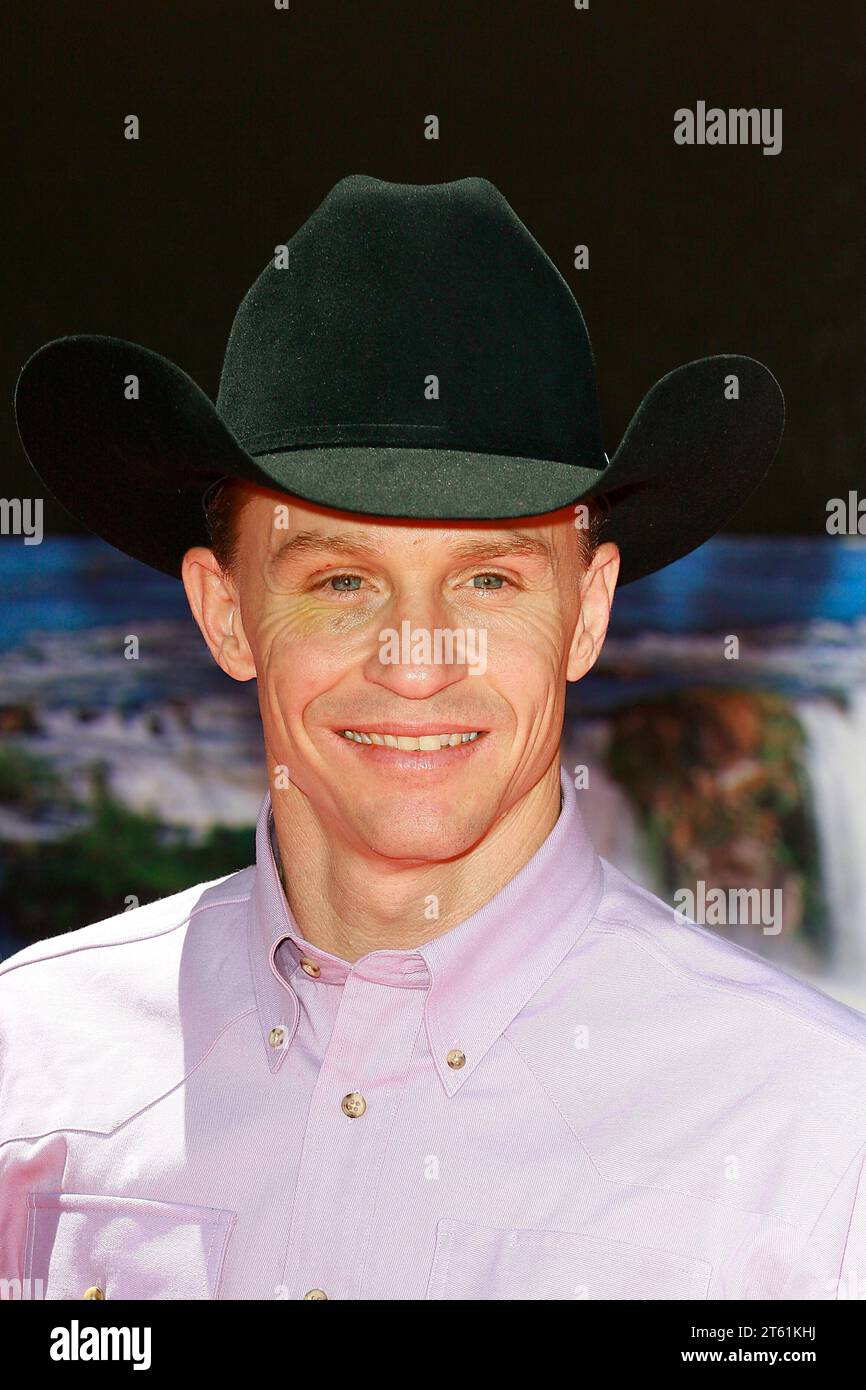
[517, 543]
[315, 543]
[357, 543]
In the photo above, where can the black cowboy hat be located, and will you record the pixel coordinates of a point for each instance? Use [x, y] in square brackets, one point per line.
[410, 352]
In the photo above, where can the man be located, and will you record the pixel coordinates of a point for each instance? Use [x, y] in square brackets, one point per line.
[430, 1046]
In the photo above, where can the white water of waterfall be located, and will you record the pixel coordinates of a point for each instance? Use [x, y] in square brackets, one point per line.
[836, 765]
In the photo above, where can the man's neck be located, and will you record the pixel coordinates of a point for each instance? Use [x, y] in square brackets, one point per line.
[348, 903]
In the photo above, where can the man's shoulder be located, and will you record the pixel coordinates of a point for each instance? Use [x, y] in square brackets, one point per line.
[681, 959]
[137, 998]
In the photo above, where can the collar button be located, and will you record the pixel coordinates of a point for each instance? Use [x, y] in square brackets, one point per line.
[456, 1058]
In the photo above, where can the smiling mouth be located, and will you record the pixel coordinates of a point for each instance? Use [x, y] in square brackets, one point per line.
[424, 743]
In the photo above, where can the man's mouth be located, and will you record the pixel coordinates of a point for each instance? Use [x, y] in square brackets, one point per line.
[424, 743]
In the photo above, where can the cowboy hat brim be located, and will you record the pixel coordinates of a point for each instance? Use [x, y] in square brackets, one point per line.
[133, 470]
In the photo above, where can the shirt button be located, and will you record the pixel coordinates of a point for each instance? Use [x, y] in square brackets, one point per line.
[455, 1058]
[353, 1105]
[315, 1293]
[93, 1292]
[310, 967]
[277, 1036]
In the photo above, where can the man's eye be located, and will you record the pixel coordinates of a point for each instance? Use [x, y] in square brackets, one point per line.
[341, 583]
[498, 581]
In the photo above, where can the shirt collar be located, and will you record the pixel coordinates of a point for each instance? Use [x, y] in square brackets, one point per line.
[479, 974]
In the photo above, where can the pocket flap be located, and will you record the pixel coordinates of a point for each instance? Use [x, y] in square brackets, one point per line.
[487, 1262]
[128, 1247]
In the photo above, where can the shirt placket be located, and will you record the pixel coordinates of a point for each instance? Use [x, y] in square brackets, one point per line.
[351, 1114]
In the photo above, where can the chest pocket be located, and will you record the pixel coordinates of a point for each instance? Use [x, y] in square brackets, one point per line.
[485, 1262]
[127, 1247]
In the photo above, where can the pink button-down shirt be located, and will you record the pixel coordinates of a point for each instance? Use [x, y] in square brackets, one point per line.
[572, 1094]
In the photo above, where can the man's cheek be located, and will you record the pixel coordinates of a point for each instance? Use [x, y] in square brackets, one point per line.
[296, 676]
[293, 619]
[520, 667]
[316, 635]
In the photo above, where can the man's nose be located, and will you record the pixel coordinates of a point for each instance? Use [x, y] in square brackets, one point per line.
[419, 654]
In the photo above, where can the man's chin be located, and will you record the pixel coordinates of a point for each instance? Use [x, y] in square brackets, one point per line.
[419, 830]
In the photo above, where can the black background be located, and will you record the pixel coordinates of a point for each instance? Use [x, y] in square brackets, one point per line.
[249, 115]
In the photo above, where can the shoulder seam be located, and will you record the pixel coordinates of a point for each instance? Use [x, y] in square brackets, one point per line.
[148, 1105]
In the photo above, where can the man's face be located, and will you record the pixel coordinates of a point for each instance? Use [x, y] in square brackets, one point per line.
[396, 630]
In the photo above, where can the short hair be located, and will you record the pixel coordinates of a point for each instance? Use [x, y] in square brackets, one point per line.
[222, 506]
[225, 500]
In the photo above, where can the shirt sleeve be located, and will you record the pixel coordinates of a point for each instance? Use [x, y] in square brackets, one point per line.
[832, 1263]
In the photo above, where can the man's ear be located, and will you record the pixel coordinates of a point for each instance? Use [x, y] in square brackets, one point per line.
[596, 596]
[215, 606]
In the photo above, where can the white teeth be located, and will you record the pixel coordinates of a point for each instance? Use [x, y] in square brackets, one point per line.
[427, 743]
